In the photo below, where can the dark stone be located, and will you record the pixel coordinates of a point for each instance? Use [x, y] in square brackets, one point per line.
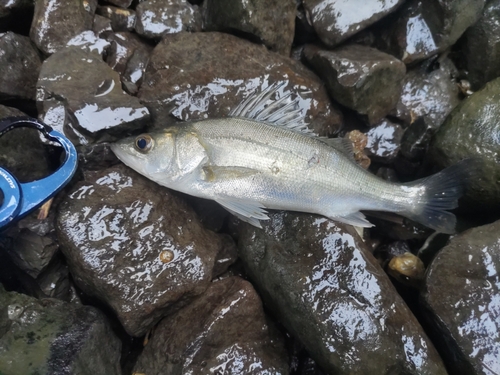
[323, 284]
[137, 247]
[101, 25]
[218, 71]
[56, 22]
[13, 6]
[462, 299]
[384, 141]
[222, 331]
[481, 46]
[156, 18]
[54, 337]
[430, 93]
[359, 77]
[9, 112]
[54, 280]
[335, 21]
[421, 29]
[416, 140]
[271, 22]
[472, 130]
[121, 19]
[96, 157]
[133, 75]
[121, 3]
[22, 152]
[81, 96]
[19, 67]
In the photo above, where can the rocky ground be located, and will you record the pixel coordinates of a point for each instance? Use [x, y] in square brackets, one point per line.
[127, 277]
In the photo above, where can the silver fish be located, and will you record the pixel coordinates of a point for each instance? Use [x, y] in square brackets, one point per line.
[263, 157]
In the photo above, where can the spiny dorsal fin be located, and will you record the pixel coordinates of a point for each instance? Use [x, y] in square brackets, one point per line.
[284, 111]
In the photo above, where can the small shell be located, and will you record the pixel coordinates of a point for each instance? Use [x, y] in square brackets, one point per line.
[166, 256]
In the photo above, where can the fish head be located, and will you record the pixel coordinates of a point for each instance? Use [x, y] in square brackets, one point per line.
[150, 154]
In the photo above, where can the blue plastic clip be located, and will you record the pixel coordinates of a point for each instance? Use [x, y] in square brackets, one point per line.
[19, 199]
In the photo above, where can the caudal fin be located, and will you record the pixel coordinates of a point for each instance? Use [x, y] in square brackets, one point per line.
[441, 193]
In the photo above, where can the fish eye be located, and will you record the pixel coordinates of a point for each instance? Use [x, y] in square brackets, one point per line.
[143, 143]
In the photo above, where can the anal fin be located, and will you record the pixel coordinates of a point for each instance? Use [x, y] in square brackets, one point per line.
[355, 218]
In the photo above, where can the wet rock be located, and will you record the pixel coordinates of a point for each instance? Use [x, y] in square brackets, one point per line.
[121, 19]
[218, 72]
[472, 130]
[128, 56]
[322, 282]
[481, 46]
[90, 42]
[335, 21]
[8, 112]
[101, 25]
[462, 297]
[54, 280]
[416, 140]
[32, 251]
[53, 337]
[121, 3]
[55, 22]
[27, 166]
[156, 18]
[429, 92]
[134, 245]
[359, 77]
[20, 65]
[9, 7]
[84, 98]
[273, 23]
[96, 157]
[384, 141]
[223, 331]
[421, 29]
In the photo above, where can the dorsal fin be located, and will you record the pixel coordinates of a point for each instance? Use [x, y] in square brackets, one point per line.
[284, 111]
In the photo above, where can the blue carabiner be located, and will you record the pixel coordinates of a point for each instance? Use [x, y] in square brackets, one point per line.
[22, 198]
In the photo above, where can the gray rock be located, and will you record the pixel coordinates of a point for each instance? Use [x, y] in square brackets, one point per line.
[121, 19]
[26, 166]
[90, 42]
[7, 8]
[430, 94]
[222, 331]
[155, 18]
[272, 22]
[19, 67]
[53, 337]
[384, 141]
[473, 131]
[137, 247]
[481, 46]
[421, 29]
[9, 112]
[54, 23]
[81, 96]
[205, 75]
[359, 77]
[54, 280]
[337, 20]
[101, 25]
[462, 298]
[322, 282]
[121, 3]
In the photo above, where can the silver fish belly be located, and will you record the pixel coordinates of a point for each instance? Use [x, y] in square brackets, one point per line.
[249, 165]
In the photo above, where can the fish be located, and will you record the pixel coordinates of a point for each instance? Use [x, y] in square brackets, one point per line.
[262, 157]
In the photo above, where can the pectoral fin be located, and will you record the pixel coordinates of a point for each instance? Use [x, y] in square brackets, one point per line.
[245, 210]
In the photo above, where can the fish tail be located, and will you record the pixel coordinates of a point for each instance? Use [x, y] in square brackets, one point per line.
[440, 193]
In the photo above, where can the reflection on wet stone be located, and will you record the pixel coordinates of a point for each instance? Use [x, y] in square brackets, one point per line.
[156, 18]
[462, 296]
[322, 282]
[384, 141]
[205, 75]
[87, 93]
[56, 22]
[121, 19]
[224, 331]
[112, 229]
